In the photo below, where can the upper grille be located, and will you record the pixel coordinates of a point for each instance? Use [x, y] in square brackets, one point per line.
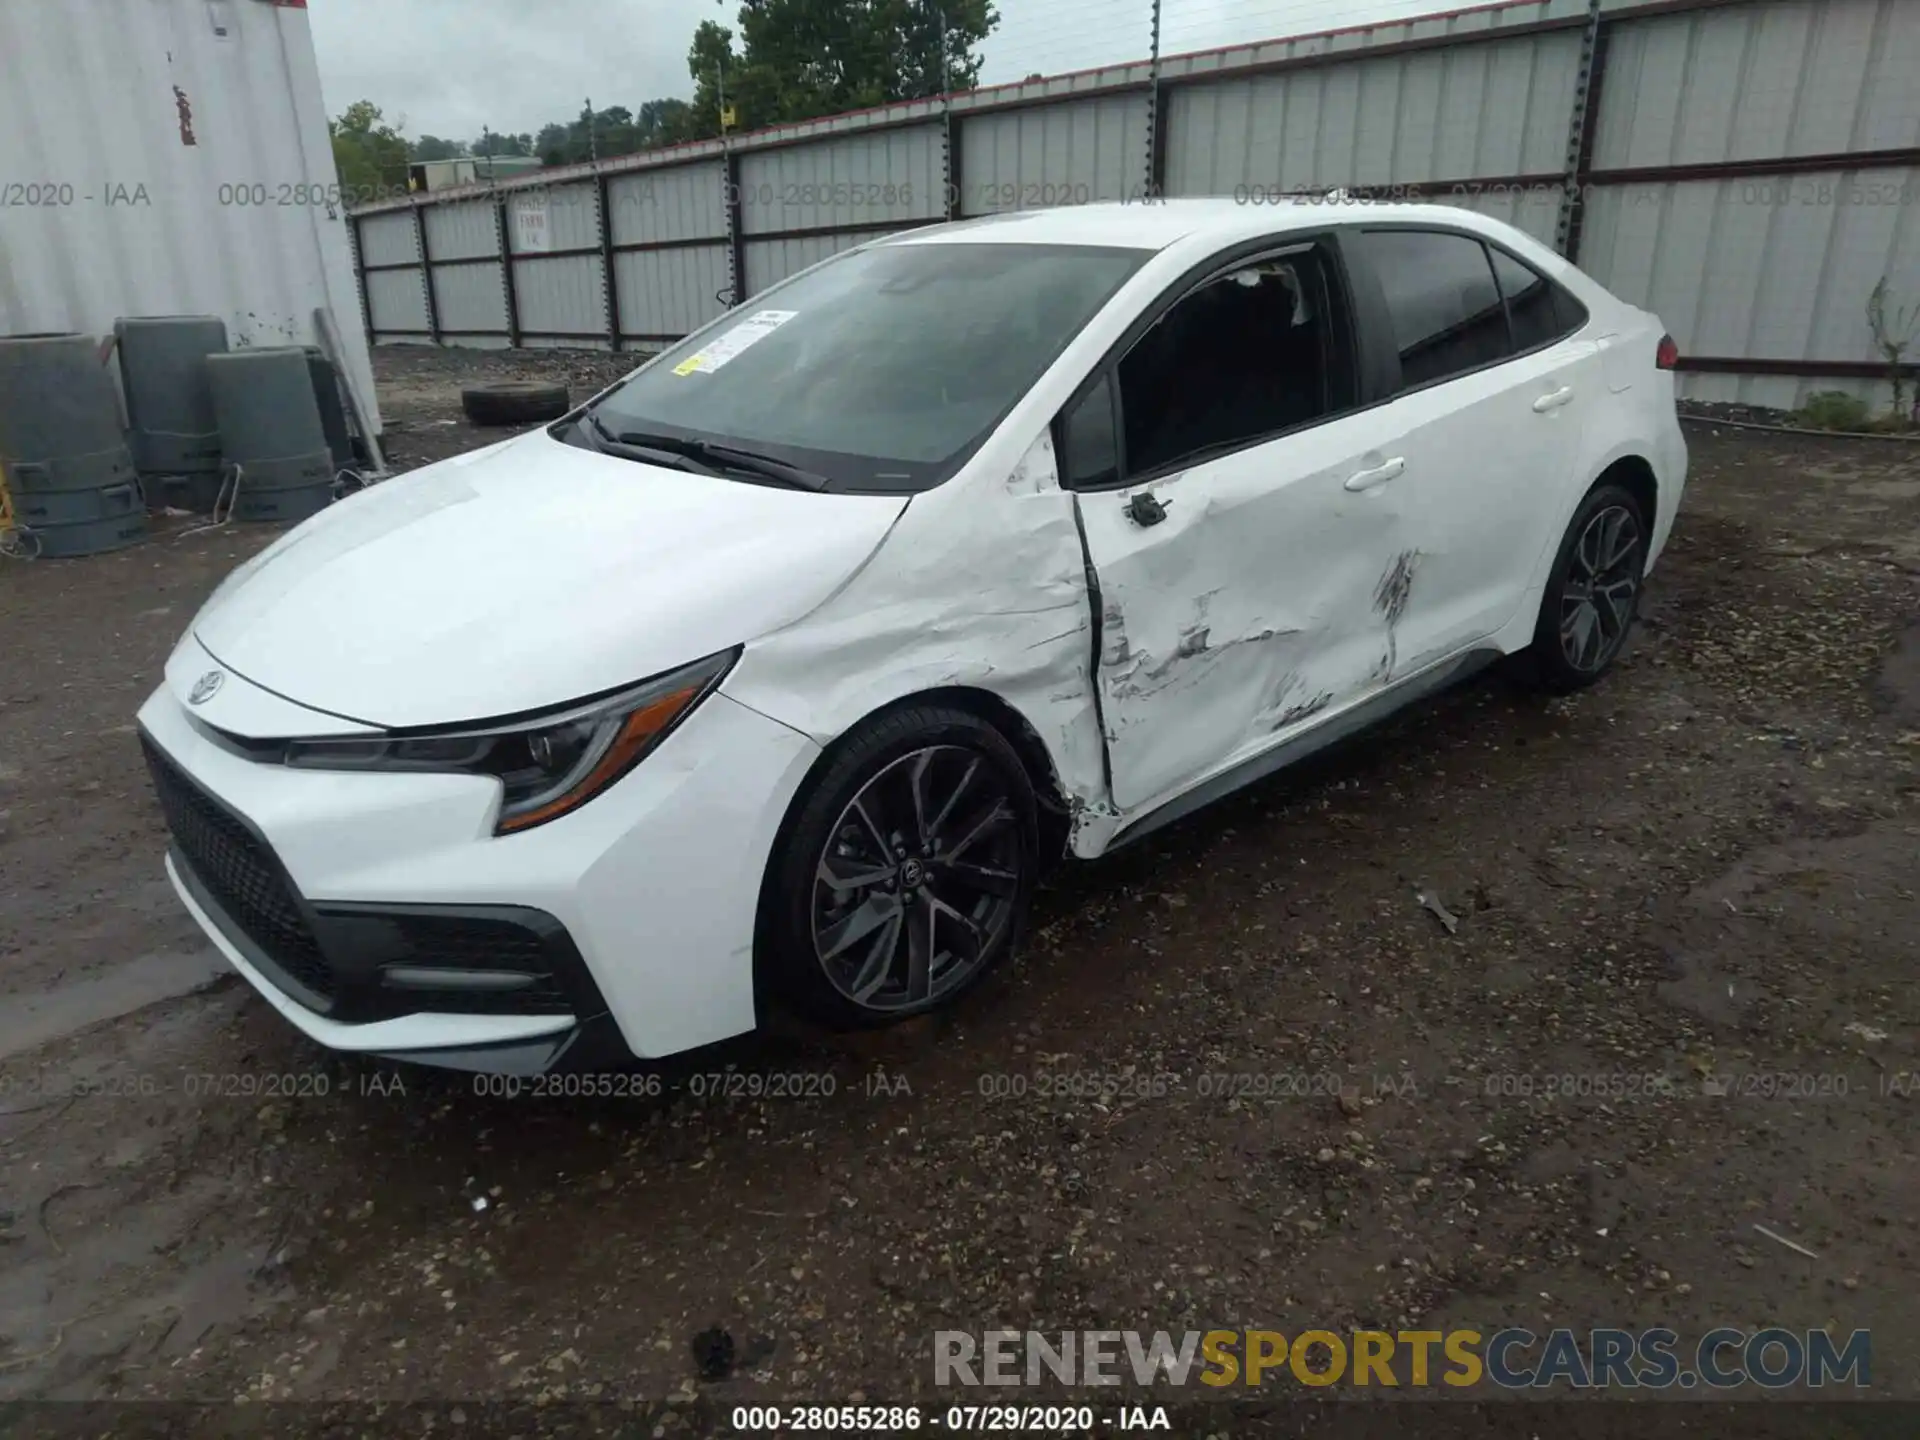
[241, 873]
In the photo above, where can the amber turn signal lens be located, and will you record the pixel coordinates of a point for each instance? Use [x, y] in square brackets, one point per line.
[637, 735]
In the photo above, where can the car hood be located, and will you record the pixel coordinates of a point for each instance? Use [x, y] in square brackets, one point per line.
[528, 574]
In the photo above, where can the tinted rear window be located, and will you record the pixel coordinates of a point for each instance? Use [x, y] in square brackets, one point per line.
[1541, 311]
[1441, 297]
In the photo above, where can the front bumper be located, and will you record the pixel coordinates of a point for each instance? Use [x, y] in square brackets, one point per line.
[624, 929]
[495, 1044]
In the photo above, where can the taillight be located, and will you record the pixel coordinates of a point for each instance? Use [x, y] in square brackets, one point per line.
[1667, 357]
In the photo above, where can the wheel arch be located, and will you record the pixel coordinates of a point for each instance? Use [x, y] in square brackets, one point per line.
[1020, 733]
[1037, 761]
[1634, 473]
[1015, 728]
[1627, 465]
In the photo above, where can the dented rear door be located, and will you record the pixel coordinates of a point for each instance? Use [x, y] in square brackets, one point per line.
[1262, 601]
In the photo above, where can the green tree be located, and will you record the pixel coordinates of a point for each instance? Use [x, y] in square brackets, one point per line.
[368, 152]
[432, 147]
[718, 71]
[788, 60]
[915, 67]
[665, 122]
[590, 133]
[614, 131]
[491, 144]
[803, 58]
[551, 144]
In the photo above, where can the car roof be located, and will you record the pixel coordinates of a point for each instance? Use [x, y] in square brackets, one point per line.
[1194, 229]
[1161, 224]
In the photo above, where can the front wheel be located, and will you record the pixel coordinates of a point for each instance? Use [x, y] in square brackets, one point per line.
[905, 874]
[1592, 593]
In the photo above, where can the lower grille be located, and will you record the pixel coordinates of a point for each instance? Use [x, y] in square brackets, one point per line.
[240, 872]
[470, 942]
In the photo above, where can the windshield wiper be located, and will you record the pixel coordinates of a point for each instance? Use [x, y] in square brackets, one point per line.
[729, 456]
[629, 448]
[773, 469]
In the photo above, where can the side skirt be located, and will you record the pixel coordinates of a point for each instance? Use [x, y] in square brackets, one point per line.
[1335, 728]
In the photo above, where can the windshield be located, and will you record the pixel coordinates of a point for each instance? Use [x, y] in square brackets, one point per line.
[881, 371]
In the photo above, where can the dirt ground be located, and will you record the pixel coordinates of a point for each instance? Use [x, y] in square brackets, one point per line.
[1702, 871]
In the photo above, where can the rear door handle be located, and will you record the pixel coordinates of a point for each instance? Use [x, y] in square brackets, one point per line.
[1379, 475]
[1553, 400]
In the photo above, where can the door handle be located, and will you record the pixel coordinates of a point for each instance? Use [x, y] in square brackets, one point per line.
[1379, 475]
[1553, 400]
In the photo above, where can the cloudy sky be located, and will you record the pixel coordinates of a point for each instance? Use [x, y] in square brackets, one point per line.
[448, 67]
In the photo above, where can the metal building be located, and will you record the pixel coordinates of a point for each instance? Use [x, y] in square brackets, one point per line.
[164, 157]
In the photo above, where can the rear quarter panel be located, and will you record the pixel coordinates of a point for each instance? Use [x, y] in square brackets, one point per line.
[1633, 413]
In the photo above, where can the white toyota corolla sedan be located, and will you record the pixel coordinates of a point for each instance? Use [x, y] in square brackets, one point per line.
[777, 673]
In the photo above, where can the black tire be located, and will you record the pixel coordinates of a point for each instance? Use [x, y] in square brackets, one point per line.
[515, 402]
[1592, 594]
[897, 764]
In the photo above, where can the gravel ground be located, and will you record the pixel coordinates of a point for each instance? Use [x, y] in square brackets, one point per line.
[1704, 870]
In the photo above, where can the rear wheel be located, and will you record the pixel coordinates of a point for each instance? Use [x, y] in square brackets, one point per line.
[1592, 593]
[905, 875]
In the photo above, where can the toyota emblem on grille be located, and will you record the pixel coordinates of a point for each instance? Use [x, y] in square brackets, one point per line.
[206, 687]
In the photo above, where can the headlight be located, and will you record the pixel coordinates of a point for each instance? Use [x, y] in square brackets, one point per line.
[548, 764]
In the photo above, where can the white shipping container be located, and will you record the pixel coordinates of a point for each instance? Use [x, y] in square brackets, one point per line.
[169, 157]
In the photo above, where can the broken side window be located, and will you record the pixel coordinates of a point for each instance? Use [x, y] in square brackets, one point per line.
[1251, 354]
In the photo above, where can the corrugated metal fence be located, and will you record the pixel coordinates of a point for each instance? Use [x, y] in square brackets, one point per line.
[1746, 168]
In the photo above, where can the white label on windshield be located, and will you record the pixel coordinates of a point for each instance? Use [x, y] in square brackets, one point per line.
[742, 337]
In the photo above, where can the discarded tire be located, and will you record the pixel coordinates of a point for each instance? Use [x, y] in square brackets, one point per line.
[515, 402]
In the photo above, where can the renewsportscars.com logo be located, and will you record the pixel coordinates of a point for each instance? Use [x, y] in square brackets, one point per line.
[1512, 1359]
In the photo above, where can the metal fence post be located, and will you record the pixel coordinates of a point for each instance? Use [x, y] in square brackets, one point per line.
[360, 274]
[1156, 158]
[949, 158]
[1582, 122]
[502, 228]
[736, 240]
[951, 169]
[426, 270]
[611, 287]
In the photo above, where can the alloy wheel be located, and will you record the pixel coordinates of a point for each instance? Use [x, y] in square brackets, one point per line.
[918, 880]
[1603, 582]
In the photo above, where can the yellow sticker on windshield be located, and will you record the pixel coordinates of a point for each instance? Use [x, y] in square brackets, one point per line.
[746, 334]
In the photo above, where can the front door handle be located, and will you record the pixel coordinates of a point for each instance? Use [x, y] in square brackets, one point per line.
[1553, 400]
[1379, 475]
